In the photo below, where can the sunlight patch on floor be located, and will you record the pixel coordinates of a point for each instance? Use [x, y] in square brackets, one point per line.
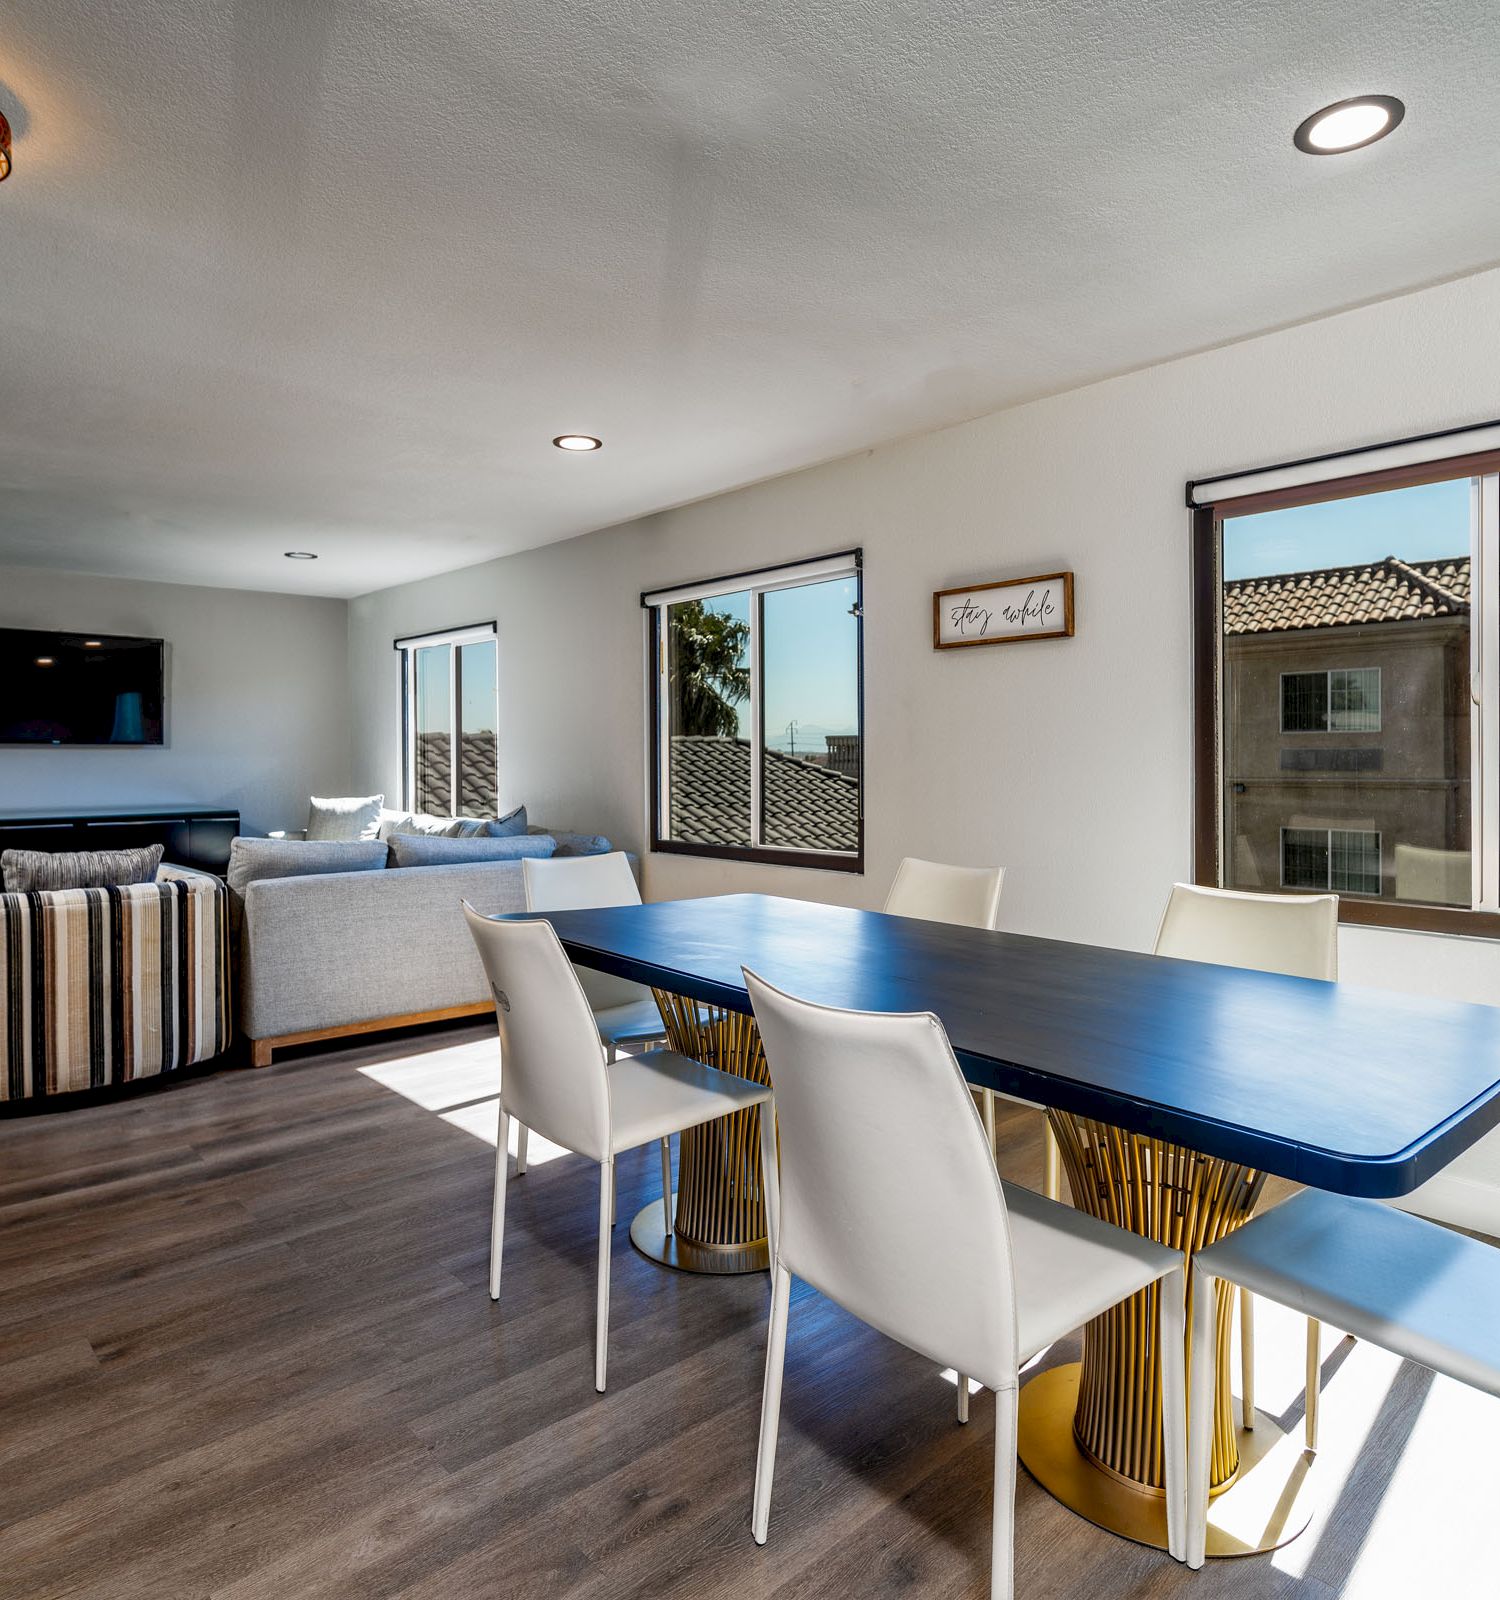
[1443, 1483]
[483, 1121]
[460, 1084]
[1438, 1488]
[438, 1080]
[948, 1375]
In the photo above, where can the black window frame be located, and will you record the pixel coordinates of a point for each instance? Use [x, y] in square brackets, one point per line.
[655, 611]
[406, 648]
[1207, 516]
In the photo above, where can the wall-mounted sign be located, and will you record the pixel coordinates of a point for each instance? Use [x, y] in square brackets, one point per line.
[1004, 613]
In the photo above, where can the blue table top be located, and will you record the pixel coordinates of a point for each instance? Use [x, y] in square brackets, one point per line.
[1359, 1091]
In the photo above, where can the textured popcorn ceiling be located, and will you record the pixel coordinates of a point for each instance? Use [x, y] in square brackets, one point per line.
[292, 274]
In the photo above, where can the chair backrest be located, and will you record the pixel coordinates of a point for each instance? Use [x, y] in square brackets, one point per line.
[577, 883]
[1297, 934]
[933, 892]
[552, 1072]
[890, 1202]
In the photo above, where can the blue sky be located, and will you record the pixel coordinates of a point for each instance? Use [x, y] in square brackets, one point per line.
[810, 663]
[1417, 524]
[478, 709]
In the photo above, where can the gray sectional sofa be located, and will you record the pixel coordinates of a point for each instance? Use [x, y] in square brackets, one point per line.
[330, 940]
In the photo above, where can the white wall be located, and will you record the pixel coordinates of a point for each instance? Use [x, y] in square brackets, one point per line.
[257, 699]
[1069, 761]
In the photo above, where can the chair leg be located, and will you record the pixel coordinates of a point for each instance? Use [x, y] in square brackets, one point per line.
[1172, 1334]
[601, 1315]
[963, 1398]
[497, 1212]
[1051, 1162]
[770, 1401]
[1247, 1359]
[987, 1102]
[1201, 1379]
[770, 1174]
[1314, 1382]
[614, 1197]
[611, 1053]
[521, 1136]
[1003, 1528]
[666, 1184]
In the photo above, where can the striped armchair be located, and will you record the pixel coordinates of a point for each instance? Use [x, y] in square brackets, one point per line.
[104, 986]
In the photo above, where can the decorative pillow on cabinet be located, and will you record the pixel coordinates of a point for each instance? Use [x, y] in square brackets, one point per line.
[350, 818]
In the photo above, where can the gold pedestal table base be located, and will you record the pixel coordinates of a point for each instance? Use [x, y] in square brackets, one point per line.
[719, 1220]
[1091, 1433]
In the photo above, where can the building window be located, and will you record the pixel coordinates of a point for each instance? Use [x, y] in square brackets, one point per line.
[757, 738]
[1341, 700]
[1360, 610]
[450, 714]
[1344, 860]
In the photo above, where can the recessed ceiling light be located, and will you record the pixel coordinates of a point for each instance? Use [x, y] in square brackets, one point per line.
[44, 661]
[299, 555]
[578, 441]
[1349, 125]
[93, 644]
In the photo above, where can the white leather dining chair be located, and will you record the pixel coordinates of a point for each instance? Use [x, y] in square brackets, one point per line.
[971, 1273]
[968, 897]
[554, 1078]
[624, 1012]
[934, 892]
[1420, 1291]
[1289, 933]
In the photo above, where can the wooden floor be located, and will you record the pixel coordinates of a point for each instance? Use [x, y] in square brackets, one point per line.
[246, 1353]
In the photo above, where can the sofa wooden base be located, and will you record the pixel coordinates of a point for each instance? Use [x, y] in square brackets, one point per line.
[261, 1049]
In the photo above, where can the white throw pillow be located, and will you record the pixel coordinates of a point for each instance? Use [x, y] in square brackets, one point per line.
[352, 818]
[422, 822]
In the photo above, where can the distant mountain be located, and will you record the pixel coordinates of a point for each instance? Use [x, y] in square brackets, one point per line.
[811, 738]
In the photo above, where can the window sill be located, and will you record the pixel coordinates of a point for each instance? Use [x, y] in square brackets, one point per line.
[1420, 919]
[812, 860]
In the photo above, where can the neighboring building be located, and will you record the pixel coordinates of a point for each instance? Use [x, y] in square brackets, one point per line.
[807, 806]
[1346, 730]
[844, 753]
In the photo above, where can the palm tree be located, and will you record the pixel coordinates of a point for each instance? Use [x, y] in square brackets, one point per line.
[708, 677]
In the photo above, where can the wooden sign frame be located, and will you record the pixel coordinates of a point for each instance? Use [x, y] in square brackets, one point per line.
[968, 591]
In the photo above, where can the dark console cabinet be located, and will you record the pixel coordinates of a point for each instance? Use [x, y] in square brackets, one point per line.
[188, 837]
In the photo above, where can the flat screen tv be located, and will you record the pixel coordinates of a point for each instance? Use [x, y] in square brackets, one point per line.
[79, 688]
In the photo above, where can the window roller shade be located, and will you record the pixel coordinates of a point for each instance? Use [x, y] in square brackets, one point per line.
[1401, 453]
[842, 565]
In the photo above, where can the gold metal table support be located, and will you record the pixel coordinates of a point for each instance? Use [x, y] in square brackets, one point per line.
[719, 1222]
[1090, 1432]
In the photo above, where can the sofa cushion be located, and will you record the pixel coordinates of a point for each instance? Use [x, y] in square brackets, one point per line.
[422, 822]
[26, 871]
[422, 850]
[253, 859]
[581, 844]
[349, 818]
[512, 824]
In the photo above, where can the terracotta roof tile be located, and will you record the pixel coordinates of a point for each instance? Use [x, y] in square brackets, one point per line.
[807, 807]
[1390, 590]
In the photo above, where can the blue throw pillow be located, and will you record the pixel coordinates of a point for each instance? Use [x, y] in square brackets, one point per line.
[582, 844]
[510, 826]
[427, 850]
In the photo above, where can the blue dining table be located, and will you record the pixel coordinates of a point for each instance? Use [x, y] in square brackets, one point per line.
[1174, 1088]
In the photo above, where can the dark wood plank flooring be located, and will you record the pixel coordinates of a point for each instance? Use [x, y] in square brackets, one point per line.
[246, 1354]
